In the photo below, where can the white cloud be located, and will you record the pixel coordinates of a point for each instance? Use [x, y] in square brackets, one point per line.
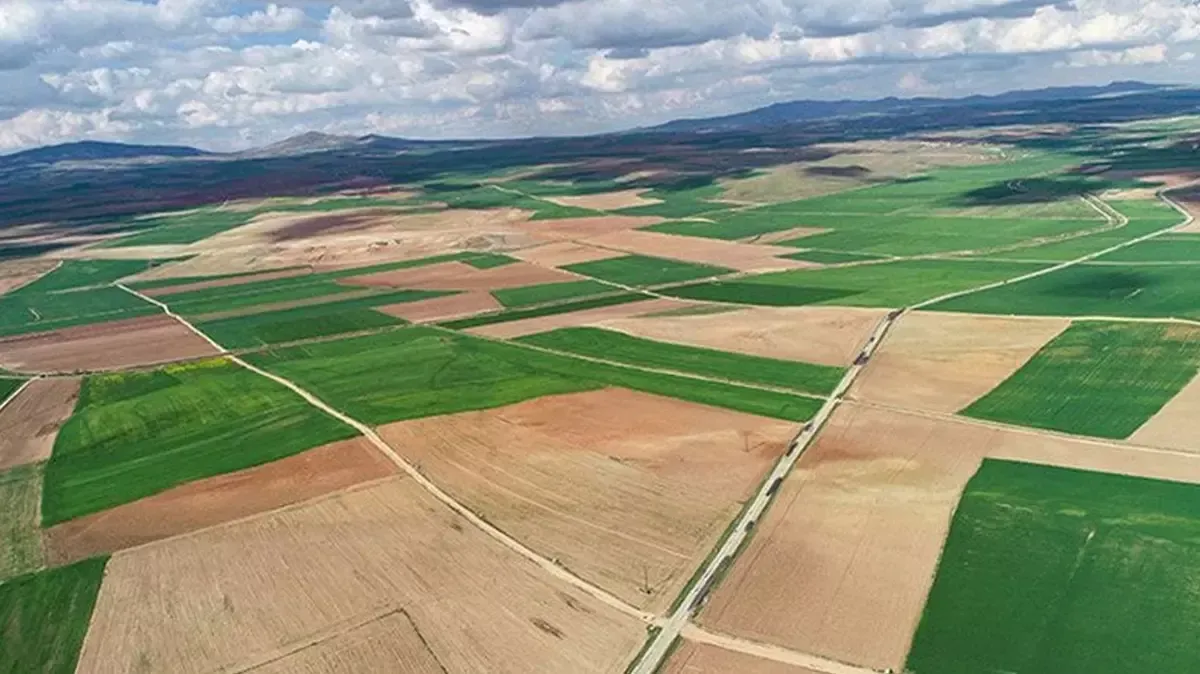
[273, 19]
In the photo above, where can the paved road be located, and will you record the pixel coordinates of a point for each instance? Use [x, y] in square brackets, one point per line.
[508, 541]
[695, 595]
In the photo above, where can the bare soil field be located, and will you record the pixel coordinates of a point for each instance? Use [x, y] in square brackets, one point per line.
[217, 500]
[942, 362]
[563, 253]
[596, 316]
[336, 222]
[842, 562]
[823, 335]
[390, 642]
[1095, 455]
[739, 256]
[462, 276]
[103, 346]
[607, 201]
[1177, 424]
[30, 422]
[582, 228]
[233, 597]
[627, 489]
[17, 273]
[442, 308]
[694, 658]
[223, 282]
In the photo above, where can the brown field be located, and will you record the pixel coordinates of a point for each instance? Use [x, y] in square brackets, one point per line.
[442, 308]
[841, 564]
[694, 658]
[223, 282]
[739, 256]
[942, 362]
[237, 596]
[104, 346]
[32, 419]
[17, 273]
[388, 642]
[582, 228]
[337, 222]
[462, 276]
[530, 326]
[607, 201]
[220, 499]
[1176, 426]
[563, 253]
[626, 489]
[1099, 456]
[823, 335]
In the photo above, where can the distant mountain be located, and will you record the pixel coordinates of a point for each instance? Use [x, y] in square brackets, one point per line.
[315, 141]
[792, 112]
[90, 150]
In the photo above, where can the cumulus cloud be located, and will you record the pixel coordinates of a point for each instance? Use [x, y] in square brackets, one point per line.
[226, 73]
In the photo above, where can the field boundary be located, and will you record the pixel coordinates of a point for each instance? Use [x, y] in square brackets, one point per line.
[495, 533]
[771, 652]
[12, 396]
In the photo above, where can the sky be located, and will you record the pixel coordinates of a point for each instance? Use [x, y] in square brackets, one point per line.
[230, 74]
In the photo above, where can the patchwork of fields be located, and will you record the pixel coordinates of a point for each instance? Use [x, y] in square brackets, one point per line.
[504, 420]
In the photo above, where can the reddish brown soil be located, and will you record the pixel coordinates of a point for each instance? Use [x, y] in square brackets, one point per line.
[220, 499]
[739, 256]
[29, 423]
[694, 658]
[442, 308]
[563, 253]
[221, 283]
[104, 346]
[461, 276]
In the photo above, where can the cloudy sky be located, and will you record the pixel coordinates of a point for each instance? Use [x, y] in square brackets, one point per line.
[226, 74]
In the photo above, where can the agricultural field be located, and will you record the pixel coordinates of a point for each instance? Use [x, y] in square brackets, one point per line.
[886, 284]
[20, 494]
[1097, 378]
[640, 270]
[24, 312]
[1145, 217]
[110, 345]
[563, 308]
[45, 617]
[755, 370]
[181, 229]
[31, 420]
[9, 386]
[135, 434]
[551, 292]
[1053, 570]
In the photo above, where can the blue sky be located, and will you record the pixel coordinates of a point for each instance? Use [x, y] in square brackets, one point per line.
[226, 74]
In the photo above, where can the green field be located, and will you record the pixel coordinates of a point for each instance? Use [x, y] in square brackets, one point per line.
[547, 310]
[74, 274]
[310, 321]
[184, 280]
[182, 229]
[1058, 571]
[20, 540]
[829, 257]
[488, 260]
[1145, 217]
[1166, 248]
[44, 617]
[1148, 291]
[551, 292]
[680, 203]
[438, 372]
[135, 434]
[623, 348]
[8, 386]
[1096, 378]
[641, 270]
[22, 312]
[887, 284]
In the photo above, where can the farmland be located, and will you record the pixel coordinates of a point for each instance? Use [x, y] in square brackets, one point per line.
[24, 312]
[887, 284]
[1097, 378]
[551, 292]
[548, 310]
[45, 617]
[619, 347]
[182, 229]
[147, 340]
[640, 270]
[1051, 570]
[138, 433]
[20, 492]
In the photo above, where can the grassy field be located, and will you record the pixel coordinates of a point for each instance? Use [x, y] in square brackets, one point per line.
[184, 280]
[550, 292]
[641, 270]
[135, 434]
[1096, 378]
[1057, 571]
[45, 615]
[308, 322]
[623, 348]
[829, 256]
[887, 284]
[74, 274]
[437, 372]
[20, 541]
[488, 260]
[680, 203]
[35, 312]
[1144, 216]
[548, 310]
[183, 229]
[1147, 291]
[8, 386]
[1166, 248]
